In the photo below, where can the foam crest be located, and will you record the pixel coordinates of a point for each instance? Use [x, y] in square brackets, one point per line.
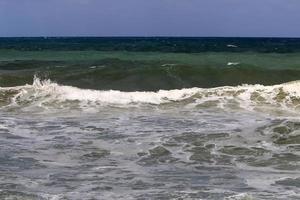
[47, 88]
[41, 92]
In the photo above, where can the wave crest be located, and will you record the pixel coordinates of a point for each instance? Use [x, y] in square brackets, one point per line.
[47, 93]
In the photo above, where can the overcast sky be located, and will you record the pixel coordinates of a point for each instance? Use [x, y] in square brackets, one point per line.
[279, 18]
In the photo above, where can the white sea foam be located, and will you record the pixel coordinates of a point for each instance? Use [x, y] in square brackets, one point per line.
[241, 196]
[52, 197]
[232, 63]
[285, 96]
[232, 46]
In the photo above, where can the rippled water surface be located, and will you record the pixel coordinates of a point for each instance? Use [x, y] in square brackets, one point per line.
[149, 118]
[176, 150]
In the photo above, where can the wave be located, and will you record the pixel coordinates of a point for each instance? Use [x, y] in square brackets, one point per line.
[163, 72]
[231, 46]
[232, 63]
[47, 93]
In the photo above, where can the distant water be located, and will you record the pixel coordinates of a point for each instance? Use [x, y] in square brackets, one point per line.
[149, 118]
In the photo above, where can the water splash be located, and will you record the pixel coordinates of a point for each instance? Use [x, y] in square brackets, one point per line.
[250, 97]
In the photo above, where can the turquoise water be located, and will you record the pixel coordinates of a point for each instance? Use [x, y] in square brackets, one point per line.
[149, 118]
[150, 71]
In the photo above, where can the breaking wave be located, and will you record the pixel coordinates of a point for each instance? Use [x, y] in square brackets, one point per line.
[47, 93]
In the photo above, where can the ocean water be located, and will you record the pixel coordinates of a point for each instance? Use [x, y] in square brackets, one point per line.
[149, 118]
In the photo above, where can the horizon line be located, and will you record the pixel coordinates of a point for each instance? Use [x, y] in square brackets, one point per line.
[123, 36]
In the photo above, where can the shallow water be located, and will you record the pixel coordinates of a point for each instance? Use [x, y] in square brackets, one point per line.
[59, 142]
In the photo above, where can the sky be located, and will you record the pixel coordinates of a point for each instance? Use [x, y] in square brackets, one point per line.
[219, 18]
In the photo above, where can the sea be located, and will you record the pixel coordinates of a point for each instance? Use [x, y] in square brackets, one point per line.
[88, 118]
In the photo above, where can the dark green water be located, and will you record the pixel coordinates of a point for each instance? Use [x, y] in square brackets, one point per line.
[132, 64]
[149, 118]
